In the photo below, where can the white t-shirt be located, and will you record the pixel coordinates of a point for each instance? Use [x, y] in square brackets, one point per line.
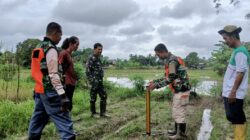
[239, 64]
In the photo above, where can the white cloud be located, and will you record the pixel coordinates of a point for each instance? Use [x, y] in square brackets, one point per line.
[124, 26]
[137, 27]
[186, 8]
[103, 13]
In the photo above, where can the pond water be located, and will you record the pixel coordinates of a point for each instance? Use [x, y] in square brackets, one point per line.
[126, 82]
[205, 86]
[202, 88]
[121, 82]
[206, 127]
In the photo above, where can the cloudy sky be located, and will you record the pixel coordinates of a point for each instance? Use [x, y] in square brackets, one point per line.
[125, 26]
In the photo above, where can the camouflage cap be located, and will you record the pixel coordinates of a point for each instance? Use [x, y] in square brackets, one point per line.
[230, 29]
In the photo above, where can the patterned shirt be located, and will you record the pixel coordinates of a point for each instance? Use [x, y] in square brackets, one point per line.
[94, 71]
[178, 81]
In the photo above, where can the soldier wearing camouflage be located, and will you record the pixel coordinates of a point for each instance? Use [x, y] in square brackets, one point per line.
[177, 79]
[94, 73]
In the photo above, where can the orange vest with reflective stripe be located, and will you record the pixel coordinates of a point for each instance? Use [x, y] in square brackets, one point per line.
[180, 62]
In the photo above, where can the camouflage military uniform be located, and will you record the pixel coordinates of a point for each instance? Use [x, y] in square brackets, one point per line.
[95, 75]
[179, 81]
[180, 86]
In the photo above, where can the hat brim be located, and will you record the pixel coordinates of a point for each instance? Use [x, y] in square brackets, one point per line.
[238, 30]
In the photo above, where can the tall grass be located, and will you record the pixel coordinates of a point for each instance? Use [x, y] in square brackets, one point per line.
[14, 117]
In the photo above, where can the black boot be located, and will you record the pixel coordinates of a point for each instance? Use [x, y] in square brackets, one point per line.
[173, 132]
[36, 137]
[93, 110]
[103, 110]
[72, 138]
[179, 134]
[183, 128]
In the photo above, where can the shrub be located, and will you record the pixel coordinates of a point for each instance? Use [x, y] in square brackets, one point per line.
[7, 72]
[194, 83]
[216, 90]
[139, 83]
[82, 82]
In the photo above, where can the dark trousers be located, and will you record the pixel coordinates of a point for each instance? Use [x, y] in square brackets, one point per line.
[69, 90]
[97, 88]
[234, 111]
[47, 106]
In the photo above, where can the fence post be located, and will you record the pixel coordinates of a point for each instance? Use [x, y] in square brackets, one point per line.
[148, 128]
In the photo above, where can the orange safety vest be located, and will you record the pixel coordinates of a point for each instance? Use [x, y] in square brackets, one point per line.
[36, 73]
[181, 62]
[38, 54]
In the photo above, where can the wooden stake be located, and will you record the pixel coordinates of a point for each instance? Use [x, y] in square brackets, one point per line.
[148, 128]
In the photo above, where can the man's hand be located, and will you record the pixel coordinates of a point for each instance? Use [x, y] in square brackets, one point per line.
[150, 86]
[232, 97]
[65, 103]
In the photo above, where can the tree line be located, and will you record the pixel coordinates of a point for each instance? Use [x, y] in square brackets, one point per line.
[22, 56]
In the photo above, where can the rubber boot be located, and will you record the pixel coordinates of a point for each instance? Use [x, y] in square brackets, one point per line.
[179, 134]
[103, 110]
[173, 132]
[72, 138]
[183, 128]
[240, 131]
[93, 110]
[37, 137]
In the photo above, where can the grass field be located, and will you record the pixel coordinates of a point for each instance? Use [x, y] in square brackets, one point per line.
[126, 106]
[157, 73]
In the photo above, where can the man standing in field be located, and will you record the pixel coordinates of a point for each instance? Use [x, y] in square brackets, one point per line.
[235, 81]
[49, 95]
[177, 79]
[94, 73]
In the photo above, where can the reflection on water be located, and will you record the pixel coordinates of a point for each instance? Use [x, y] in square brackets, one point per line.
[206, 127]
[203, 87]
[121, 82]
[127, 83]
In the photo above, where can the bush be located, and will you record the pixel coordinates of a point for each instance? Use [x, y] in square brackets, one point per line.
[82, 82]
[194, 83]
[7, 72]
[139, 83]
[216, 90]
